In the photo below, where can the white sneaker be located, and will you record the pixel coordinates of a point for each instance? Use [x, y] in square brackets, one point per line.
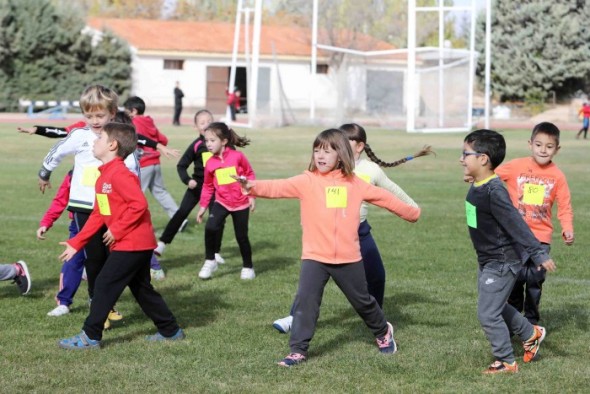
[283, 325]
[84, 275]
[157, 274]
[247, 274]
[209, 267]
[219, 259]
[60, 310]
[160, 248]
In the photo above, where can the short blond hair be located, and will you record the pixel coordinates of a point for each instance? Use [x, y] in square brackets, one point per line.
[98, 97]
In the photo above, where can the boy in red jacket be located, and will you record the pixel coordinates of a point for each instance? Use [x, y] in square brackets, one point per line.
[122, 208]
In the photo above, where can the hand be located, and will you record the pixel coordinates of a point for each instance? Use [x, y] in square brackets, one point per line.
[68, 253]
[43, 185]
[200, 215]
[30, 130]
[244, 183]
[192, 184]
[168, 152]
[549, 265]
[252, 204]
[568, 238]
[468, 179]
[41, 231]
[108, 238]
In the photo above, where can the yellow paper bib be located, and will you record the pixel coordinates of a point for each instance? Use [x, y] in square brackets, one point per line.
[336, 197]
[90, 175]
[533, 194]
[103, 204]
[223, 175]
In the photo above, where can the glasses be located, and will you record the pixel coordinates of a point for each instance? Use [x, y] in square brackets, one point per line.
[466, 153]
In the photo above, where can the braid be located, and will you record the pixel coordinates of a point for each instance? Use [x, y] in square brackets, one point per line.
[426, 150]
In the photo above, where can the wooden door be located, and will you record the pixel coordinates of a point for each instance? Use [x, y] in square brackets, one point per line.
[217, 78]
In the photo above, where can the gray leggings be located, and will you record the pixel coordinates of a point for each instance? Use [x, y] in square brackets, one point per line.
[350, 278]
[7, 271]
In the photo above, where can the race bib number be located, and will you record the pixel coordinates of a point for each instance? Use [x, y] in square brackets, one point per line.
[103, 204]
[533, 194]
[471, 214]
[364, 177]
[90, 175]
[206, 156]
[223, 175]
[336, 197]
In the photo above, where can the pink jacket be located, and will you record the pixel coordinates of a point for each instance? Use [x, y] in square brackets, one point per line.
[330, 211]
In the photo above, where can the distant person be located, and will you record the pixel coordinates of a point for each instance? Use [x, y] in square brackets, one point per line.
[178, 95]
[233, 102]
[584, 114]
[18, 273]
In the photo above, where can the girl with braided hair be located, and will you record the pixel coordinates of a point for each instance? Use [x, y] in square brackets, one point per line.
[370, 172]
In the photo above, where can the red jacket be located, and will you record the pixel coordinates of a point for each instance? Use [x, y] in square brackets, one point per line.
[121, 206]
[145, 125]
[227, 190]
[59, 203]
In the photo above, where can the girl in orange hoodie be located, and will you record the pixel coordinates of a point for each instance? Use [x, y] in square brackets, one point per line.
[331, 196]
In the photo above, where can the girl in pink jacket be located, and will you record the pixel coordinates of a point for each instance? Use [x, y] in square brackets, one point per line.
[331, 196]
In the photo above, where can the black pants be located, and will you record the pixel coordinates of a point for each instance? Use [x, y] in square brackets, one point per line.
[189, 202]
[526, 293]
[177, 111]
[95, 250]
[127, 269]
[232, 111]
[217, 215]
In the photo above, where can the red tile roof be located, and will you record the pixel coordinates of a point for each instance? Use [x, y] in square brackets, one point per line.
[214, 37]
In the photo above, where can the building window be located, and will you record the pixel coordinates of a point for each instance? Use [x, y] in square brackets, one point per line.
[321, 68]
[170, 64]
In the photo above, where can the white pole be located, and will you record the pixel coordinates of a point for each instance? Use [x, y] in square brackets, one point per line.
[441, 54]
[247, 48]
[411, 69]
[314, 61]
[471, 65]
[253, 92]
[234, 57]
[488, 62]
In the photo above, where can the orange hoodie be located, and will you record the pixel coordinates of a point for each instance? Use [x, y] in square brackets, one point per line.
[330, 211]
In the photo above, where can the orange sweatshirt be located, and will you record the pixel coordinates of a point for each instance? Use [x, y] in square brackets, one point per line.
[533, 189]
[330, 211]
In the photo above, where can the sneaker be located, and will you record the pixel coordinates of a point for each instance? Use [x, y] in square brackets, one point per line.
[79, 342]
[183, 226]
[219, 259]
[386, 343]
[160, 248]
[157, 274]
[292, 359]
[501, 367]
[247, 274]
[209, 267]
[84, 275]
[115, 315]
[531, 346]
[159, 337]
[283, 325]
[23, 279]
[107, 324]
[59, 310]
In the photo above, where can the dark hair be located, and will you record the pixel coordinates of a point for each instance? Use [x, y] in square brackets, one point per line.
[356, 132]
[201, 112]
[122, 117]
[135, 103]
[335, 139]
[490, 143]
[225, 133]
[125, 136]
[546, 128]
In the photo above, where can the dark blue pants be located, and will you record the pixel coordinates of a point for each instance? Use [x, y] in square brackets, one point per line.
[71, 273]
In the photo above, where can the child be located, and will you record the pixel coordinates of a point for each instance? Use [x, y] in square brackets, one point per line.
[99, 106]
[19, 273]
[372, 173]
[196, 154]
[497, 229]
[233, 102]
[584, 114]
[120, 206]
[229, 199]
[534, 184]
[331, 197]
[151, 172]
[72, 270]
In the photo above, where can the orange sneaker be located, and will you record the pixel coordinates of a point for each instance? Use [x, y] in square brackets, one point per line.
[501, 367]
[531, 346]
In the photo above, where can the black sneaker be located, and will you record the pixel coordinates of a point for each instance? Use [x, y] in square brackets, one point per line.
[23, 280]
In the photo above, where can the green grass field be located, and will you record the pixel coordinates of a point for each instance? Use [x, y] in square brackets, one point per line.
[231, 346]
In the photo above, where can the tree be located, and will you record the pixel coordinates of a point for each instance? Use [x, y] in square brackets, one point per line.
[45, 56]
[538, 46]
